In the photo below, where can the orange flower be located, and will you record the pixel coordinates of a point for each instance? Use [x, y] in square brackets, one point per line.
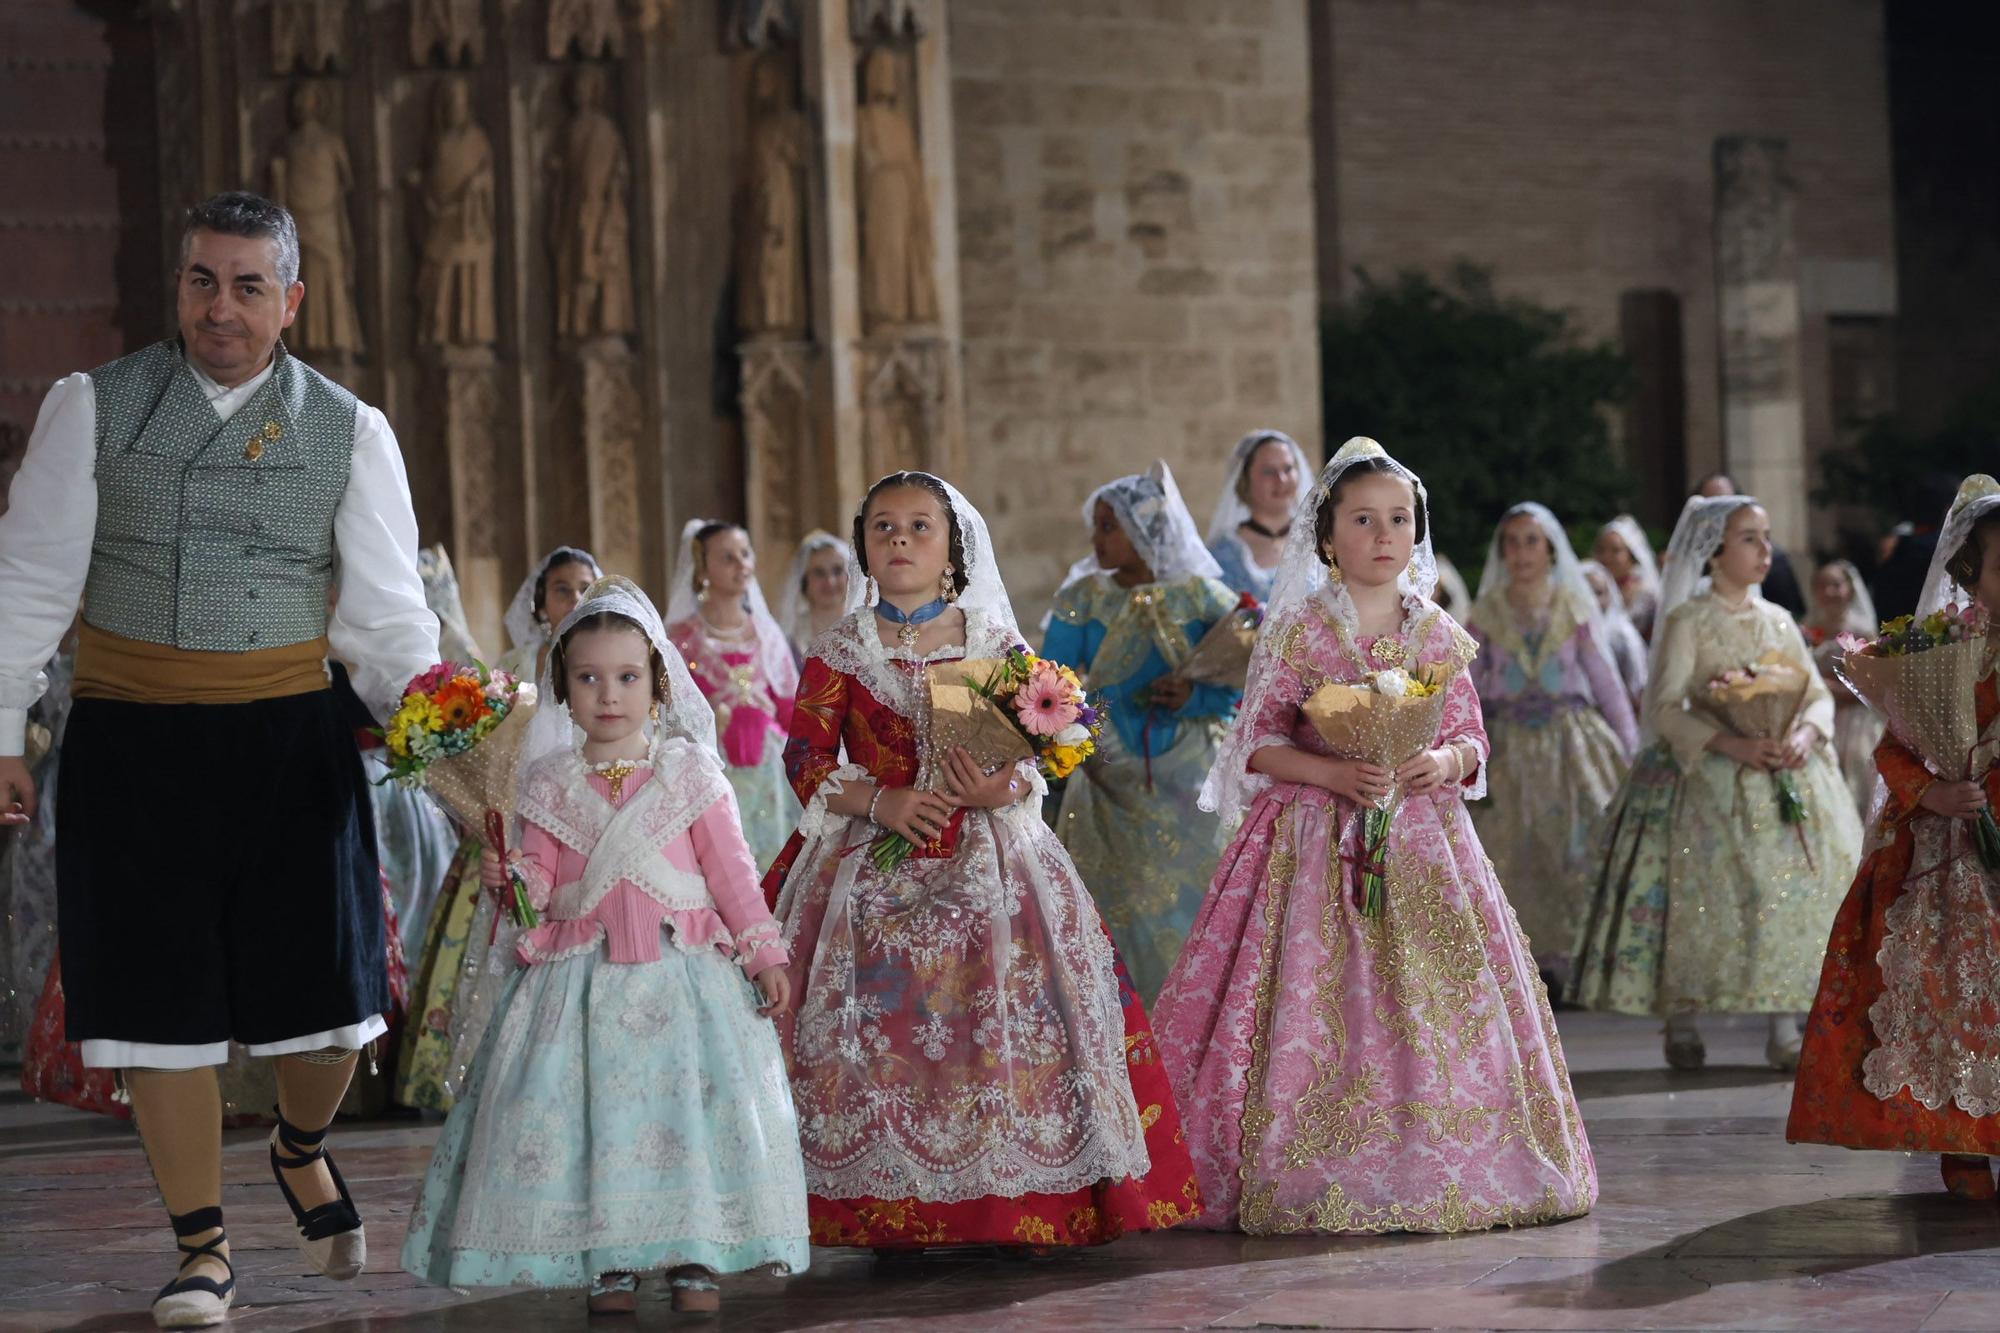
[461, 702]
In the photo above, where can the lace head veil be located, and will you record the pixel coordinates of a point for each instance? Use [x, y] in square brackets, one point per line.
[1978, 497]
[774, 650]
[524, 626]
[1565, 575]
[1698, 536]
[794, 607]
[1302, 577]
[1231, 509]
[1626, 528]
[1150, 509]
[985, 594]
[1860, 616]
[685, 712]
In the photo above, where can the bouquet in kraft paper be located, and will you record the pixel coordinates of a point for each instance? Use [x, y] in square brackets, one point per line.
[1386, 719]
[1919, 675]
[458, 734]
[1223, 655]
[1761, 700]
[1002, 710]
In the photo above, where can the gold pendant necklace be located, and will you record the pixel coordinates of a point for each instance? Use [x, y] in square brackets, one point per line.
[615, 773]
[907, 632]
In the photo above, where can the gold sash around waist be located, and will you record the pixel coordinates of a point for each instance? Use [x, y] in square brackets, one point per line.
[110, 666]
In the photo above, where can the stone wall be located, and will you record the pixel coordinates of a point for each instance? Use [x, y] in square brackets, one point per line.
[1568, 144]
[1135, 219]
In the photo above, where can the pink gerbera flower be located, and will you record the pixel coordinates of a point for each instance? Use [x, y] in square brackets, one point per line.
[1045, 704]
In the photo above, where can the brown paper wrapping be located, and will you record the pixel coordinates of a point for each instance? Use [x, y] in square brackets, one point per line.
[1380, 729]
[960, 715]
[1223, 655]
[467, 785]
[1762, 708]
[1927, 700]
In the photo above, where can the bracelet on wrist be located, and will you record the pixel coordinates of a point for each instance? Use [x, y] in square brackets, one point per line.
[875, 801]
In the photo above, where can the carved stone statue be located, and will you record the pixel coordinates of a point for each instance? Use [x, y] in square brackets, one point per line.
[591, 26]
[455, 280]
[311, 175]
[449, 31]
[590, 217]
[310, 35]
[770, 268]
[883, 20]
[898, 276]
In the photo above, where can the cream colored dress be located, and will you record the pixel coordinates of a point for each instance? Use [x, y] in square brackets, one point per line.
[1706, 900]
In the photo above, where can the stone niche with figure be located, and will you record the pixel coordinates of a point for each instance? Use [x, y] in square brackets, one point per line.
[604, 263]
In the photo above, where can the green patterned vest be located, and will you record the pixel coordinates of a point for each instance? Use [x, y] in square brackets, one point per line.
[214, 535]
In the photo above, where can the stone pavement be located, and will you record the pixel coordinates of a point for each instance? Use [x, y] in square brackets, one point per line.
[1708, 1220]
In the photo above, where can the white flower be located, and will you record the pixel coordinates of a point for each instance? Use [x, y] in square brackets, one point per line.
[1073, 734]
[1394, 683]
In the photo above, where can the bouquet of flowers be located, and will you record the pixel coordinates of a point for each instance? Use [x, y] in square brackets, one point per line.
[1387, 720]
[1002, 710]
[1761, 700]
[1919, 675]
[457, 734]
[1223, 655]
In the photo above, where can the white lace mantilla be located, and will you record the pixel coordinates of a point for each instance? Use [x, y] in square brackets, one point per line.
[628, 842]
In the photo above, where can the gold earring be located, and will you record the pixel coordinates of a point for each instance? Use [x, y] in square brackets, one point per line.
[1332, 569]
[654, 712]
[946, 588]
[873, 595]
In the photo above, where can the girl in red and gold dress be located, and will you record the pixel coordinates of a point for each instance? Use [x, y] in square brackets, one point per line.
[970, 1062]
[1902, 1051]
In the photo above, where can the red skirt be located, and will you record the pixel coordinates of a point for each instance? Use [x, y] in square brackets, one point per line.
[1829, 1102]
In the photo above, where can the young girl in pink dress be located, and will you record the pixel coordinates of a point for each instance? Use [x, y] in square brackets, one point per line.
[1339, 1072]
[741, 659]
[628, 1108]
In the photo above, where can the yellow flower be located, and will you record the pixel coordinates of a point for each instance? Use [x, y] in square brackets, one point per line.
[397, 740]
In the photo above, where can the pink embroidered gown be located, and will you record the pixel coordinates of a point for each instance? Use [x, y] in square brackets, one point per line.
[751, 690]
[1345, 1074]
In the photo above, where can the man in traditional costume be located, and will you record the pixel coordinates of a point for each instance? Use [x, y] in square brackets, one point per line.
[216, 865]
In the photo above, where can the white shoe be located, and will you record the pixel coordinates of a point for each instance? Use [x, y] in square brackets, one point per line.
[1781, 1048]
[198, 1301]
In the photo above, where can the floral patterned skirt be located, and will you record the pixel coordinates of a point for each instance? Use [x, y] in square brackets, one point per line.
[1706, 901]
[1345, 1074]
[1144, 848]
[766, 802]
[1546, 792]
[618, 1117]
[971, 1062]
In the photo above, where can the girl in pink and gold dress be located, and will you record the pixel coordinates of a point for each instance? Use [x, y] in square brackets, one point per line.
[1339, 1072]
[741, 659]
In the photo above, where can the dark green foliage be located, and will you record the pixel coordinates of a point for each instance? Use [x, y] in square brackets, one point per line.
[1492, 400]
[1902, 473]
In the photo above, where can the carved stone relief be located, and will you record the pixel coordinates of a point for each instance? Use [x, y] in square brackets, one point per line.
[770, 228]
[308, 36]
[590, 217]
[592, 29]
[898, 266]
[446, 32]
[455, 277]
[312, 175]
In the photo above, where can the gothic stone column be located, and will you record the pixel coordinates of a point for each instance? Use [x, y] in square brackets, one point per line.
[1757, 301]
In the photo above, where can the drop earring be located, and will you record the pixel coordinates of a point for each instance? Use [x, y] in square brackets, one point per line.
[701, 591]
[874, 594]
[946, 588]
